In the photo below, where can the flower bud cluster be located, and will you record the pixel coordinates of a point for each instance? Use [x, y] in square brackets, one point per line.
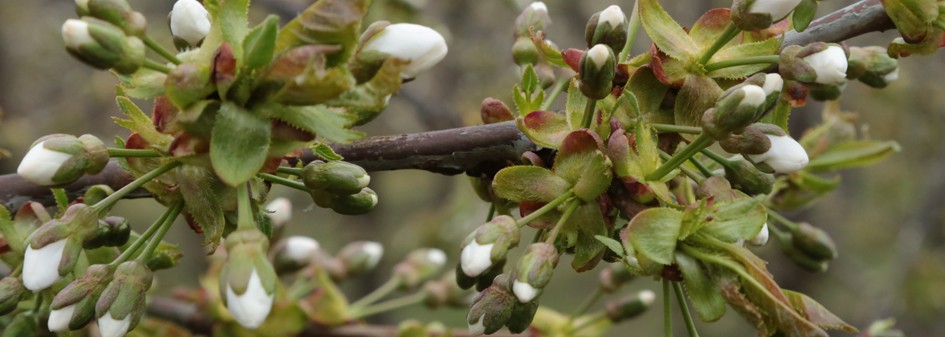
[341, 186]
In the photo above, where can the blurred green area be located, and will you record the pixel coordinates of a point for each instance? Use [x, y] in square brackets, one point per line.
[886, 219]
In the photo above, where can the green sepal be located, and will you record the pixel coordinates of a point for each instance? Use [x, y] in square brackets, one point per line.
[852, 154]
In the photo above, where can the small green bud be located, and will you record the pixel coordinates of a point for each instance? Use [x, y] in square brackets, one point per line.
[524, 51]
[630, 307]
[492, 308]
[736, 108]
[494, 111]
[11, 292]
[607, 27]
[360, 257]
[420, 266]
[118, 13]
[613, 277]
[338, 177]
[597, 72]
[533, 271]
[814, 242]
[355, 204]
[746, 178]
[103, 45]
[873, 66]
[112, 231]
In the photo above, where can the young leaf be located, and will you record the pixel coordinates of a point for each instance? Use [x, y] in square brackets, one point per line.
[239, 144]
[852, 154]
[710, 27]
[697, 95]
[739, 219]
[528, 183]
[201, 202]
[803, 14]
[654, 232]
[647, 89]
[325, 152]
[140, 123]
[585, 224]
[545, 128]
[330, 22]
[671, 38]
[614, 245]
[702, 289]
[574, 106]
[577, 150]
[760, 48]
[259, 46]
[230, 25]
[332, 124]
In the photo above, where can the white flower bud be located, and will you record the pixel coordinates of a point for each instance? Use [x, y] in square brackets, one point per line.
[251, 308]
[59, 318]
[374, 253]
[777, 9]
[422, 46]
[40, 164]
[784, 156]
[612, 15]
[75, 33]
[647, 297]
[41, 266]
[538, 7]
[436, 257]
[524, 291]
[773, 83]
[754, 95]
[598, 55]
[300, 249]
[190, 21]
[479, 327]
[830, 65]
[108, 326]
[762, 238]
[476, 259]
[280, 211]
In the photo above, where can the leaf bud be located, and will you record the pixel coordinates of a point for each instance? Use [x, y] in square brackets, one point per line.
[607, 27]
[60, 159]
[533, 271]
[338, 177]
[488, 245]
[597, 72]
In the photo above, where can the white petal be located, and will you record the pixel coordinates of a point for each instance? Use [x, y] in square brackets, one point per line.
[478, 328]
[598, 55]
[436, 256]
[280, 211]
[40, 164]
[786, 155]
[538, 6]
[59, 319]
[612, 15]
[108, 326]
[830, 65]
[75, 33]
[374, 252]
[524, 291]
[422, 46]
[647, 296]
[754, 95]
[190, 21]
[476, 259]
[252, 307]
[41, 266]
[300, 248]
[773, 83]
[762, 238]
[892, 75]
[778, 9]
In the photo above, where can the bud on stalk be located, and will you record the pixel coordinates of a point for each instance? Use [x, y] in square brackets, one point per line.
[597, 72]
[59, 159]
[533, 271]
[814, 242]
[492, 308]
[54, 248]
[122, 303]
[607, 27]
[630, 307]
[736, 109]
[103, 45]
[488, 245]
[74, 306]
[248, 280]
[872, 66]
[360, 257]
[338, 177]
[420, 266]
[293, 254]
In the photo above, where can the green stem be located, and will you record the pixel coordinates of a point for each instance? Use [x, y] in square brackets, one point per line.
[38, 303]
[695, 176]
[717, 158]
[104, 205]
[545, 209]
[573, 205]
[379, 293]
[699, 143]
[939, 24]
[396, 303]
[684, 307]
[730, 32]
[590, 321]
[157, 48]
[538, 234]
[766, 59]
[137, 153]
[295, 171]
[698, 164]
[283, 181]
[164, 227]
[491, 213]
[667, 310]
[301, 288]
[555, 92]
[667, 128]
[153, 65]
[588, 302]
[244, 208]
[133, 248]
[781, 219]
[589, 112]
[632, 28]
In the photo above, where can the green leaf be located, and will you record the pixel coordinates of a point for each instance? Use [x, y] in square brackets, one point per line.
[697, 95]
[260, 45]
[852, 154]
[574, 106]
[230, 23]
[703, 290]
[529, 183]
[738, 219]
[329, 123]
[576, 151]
[201, 202]
[710, 27]
[528, 95]
[545, 128]
[331, 22]
[779, 115]
[325, 152]
[614, 245]
[647, 89]
[671, 38]
[239, 144]
[585, 224]
[369, 99]
[596, 178]
[803, 14]
[142, 84]
[816, 313]
[761, 48]
[140, 123]
[654, 232]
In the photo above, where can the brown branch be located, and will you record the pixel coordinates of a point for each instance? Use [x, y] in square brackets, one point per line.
[187, 315]
[454, 151]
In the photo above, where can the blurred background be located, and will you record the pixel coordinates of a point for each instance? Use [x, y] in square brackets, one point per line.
[887, 219]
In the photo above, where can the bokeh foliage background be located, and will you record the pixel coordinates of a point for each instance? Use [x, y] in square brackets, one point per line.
[886, 219]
